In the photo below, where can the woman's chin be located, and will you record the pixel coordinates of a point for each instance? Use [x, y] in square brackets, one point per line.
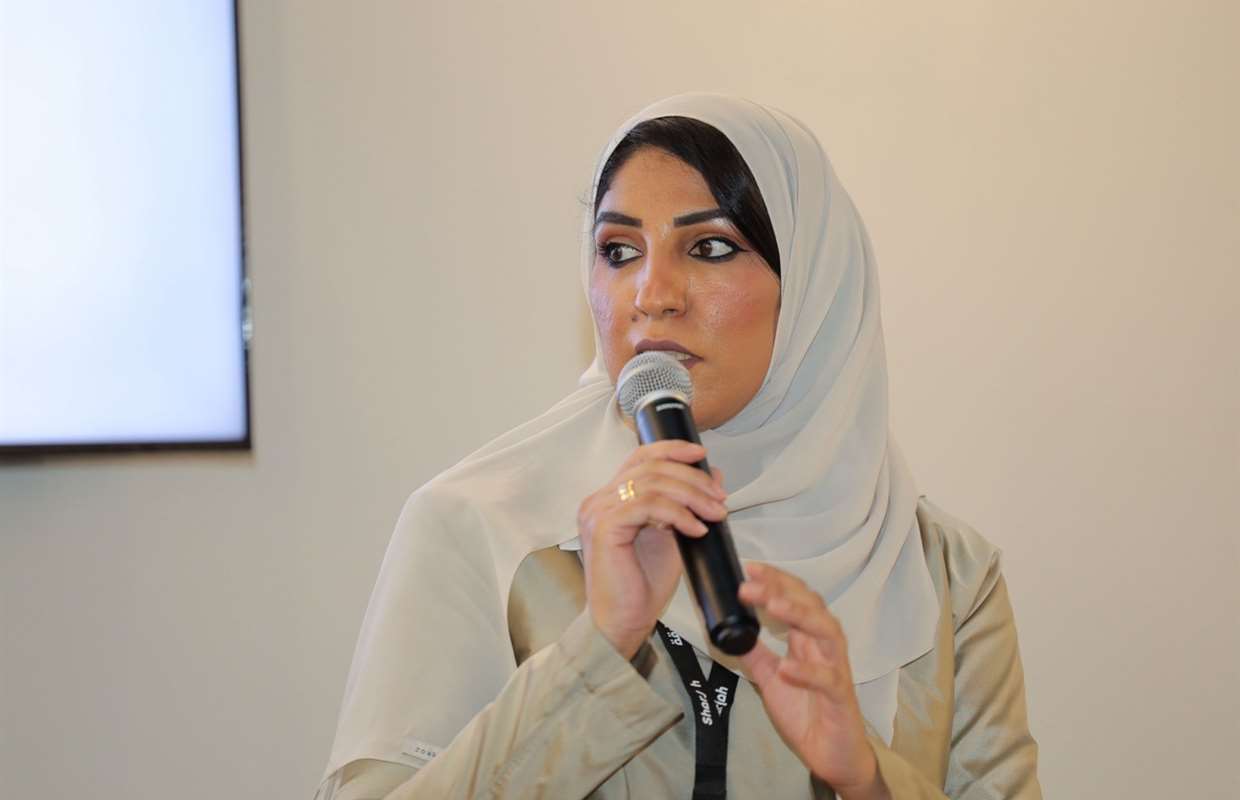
[706, 418]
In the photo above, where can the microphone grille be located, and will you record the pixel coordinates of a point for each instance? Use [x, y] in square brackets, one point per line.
[651, 371]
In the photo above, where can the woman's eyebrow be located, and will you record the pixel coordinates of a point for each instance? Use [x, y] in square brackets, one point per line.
[678, 222]
[618, 218]
[698, 216]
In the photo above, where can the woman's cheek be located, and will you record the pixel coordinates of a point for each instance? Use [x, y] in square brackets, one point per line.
[732, 312]
[753, 303]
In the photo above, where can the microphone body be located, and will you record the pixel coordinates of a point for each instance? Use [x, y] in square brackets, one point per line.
[711, 564]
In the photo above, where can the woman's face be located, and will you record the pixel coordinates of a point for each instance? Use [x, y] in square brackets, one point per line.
[672, 273]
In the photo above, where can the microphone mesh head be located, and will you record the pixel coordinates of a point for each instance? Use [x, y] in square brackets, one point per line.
[651, 371]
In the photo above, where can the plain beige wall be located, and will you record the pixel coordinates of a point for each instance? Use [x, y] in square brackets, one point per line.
[1052, 194]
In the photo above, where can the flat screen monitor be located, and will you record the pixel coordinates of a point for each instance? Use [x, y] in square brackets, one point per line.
[123, 317]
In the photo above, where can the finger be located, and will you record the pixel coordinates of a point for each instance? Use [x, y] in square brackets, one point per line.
[779, 582]
[681, 472]
[801, 611]
[667, 449]
[768, 573]
[761, 663]
[705, 505]
[807, 647]
[811, 618]
[822, 677]
[630, 517]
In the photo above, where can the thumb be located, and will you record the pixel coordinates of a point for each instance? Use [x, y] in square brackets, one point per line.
[761, 663]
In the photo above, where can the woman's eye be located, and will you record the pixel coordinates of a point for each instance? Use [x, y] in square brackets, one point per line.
[716, 248]
[615, 254]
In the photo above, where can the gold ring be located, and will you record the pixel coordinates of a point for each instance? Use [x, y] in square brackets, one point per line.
[626, 491]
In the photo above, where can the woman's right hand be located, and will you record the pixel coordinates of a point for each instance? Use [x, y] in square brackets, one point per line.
[632, 563]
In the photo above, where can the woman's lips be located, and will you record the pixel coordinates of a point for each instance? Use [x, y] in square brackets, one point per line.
[672, 348]
[687, 361]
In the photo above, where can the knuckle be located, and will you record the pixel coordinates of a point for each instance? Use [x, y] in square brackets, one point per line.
[649, 468]
[667, 505]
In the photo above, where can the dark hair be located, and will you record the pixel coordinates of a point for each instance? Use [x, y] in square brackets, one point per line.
[706, 149]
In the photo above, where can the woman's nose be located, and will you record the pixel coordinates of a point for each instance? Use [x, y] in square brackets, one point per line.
[661, 289]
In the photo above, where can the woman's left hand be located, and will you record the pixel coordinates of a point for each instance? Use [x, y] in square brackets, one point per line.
[808, 694]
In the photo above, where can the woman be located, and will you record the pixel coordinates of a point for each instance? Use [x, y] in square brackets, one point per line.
[510, 648]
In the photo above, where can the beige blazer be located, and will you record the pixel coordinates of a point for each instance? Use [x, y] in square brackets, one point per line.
[577, 720]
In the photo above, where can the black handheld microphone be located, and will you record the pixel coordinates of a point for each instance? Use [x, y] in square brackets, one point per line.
[655, 389]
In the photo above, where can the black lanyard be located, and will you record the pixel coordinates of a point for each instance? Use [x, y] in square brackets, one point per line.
[713, 701]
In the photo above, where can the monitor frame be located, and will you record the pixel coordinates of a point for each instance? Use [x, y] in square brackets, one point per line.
[245, 442]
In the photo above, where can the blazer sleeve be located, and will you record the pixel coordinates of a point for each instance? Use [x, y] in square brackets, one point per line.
[993, 755]
[569, 717]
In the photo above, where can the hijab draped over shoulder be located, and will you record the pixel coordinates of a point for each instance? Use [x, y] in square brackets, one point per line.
[817, 485]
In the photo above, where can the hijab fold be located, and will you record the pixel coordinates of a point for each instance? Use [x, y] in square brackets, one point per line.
[817, 485]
